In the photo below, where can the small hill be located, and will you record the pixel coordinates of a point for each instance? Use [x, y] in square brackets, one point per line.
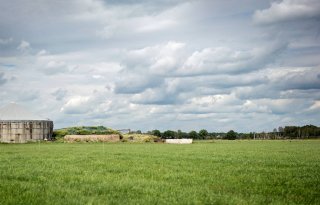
[83, 130]
[140, 138]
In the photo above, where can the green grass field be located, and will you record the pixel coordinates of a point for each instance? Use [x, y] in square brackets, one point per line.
[219, 172]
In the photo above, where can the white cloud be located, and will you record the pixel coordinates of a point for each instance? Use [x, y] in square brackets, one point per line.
[76, 105]
[42, 52]
[24, 46]
[282, 106]
[315, 106]
[226, 60]
[249, 107]
[288, 10]
[97, 77]
[146, 67]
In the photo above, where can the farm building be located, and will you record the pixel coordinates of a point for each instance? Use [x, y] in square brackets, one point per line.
[18, 125]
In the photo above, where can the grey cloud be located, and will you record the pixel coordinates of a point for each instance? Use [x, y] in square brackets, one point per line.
[151, 6]
[55, 67]
[4, 41]
[226, 60]
[144, 61]
[160, 59]
[3, 80]
[256, 92]
[60, 94]
[284, 84]
[147, 67]
[309, 94]
[156, 96]
[284, 106]
[301, 80]
[27, 95]
[131, 84]
[229, 81]
[219, 103]
[288, 10]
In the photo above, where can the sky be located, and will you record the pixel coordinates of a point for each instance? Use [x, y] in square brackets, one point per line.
[249, 65]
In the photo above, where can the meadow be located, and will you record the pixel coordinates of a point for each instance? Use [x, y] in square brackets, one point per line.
[211, 172]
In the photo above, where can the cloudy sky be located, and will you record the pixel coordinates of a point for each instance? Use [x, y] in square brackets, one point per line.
[249, 65]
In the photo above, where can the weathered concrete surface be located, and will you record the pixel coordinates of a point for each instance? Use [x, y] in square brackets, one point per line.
[92, 138]
[179, 141]
[24, 131]
[19, 125]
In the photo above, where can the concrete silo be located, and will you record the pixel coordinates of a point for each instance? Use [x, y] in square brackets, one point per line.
[18, 125]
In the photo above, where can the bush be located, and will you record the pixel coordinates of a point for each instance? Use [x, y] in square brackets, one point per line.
[169, 134]
[231, 135]
[203, 134]
[193, 134]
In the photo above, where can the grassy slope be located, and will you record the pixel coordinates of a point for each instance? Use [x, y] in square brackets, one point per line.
[224, 172]
[83, 130]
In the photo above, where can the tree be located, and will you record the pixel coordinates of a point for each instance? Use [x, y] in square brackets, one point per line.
[203, 134]
[193, 134]
[291, 131]
[156, 133]
[179, 134]
[231, 135]
[280, 131]
[169, 134]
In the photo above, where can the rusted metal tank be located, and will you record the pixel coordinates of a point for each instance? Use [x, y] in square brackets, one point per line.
[17, 125]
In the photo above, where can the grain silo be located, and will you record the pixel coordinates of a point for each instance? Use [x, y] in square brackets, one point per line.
[18, 125]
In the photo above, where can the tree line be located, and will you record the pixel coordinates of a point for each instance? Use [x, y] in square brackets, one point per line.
[287, 132]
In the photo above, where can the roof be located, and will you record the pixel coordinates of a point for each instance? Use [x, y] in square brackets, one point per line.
[13, 111]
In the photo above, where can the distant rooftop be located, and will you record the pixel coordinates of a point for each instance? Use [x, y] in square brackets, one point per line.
[13, 111]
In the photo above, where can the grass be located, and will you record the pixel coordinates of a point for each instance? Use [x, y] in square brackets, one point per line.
[221, 172]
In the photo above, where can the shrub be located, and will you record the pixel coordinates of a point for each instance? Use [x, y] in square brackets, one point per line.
[231, 135]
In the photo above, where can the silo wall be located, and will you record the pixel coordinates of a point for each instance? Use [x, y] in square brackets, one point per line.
[24, 131]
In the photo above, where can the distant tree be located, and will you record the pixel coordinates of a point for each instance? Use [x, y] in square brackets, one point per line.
[280, 131]
[193, 134]
[179, 134]
[203, 134]
[291, 131]
[169, 134]
[231, 135]
[156, 133]
[211, 135]
[274, 133]
[138, 132]
[310, 131]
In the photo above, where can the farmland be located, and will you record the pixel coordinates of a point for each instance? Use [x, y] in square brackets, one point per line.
[210, 172]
